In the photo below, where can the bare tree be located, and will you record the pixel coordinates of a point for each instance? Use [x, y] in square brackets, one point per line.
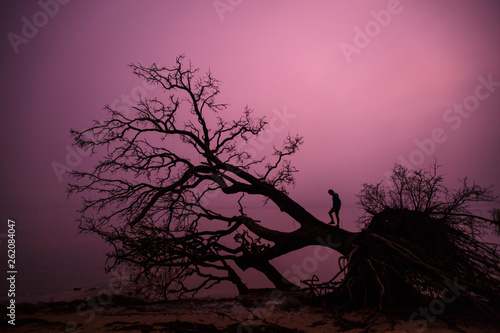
[148, 197]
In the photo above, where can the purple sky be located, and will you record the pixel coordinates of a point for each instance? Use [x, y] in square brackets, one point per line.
[368, 84]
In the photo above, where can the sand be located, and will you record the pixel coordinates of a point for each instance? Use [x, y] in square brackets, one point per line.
[255, 313]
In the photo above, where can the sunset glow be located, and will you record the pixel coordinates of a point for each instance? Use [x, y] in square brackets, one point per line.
[367, 83]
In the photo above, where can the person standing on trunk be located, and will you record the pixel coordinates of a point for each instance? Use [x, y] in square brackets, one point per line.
[335, 207]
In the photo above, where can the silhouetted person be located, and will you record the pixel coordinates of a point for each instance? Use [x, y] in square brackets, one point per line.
[335, 207]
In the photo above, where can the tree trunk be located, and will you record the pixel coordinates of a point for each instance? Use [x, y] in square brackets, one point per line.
[319, 235]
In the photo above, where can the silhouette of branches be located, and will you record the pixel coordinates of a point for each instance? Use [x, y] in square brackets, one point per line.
[149, 195]
[418, 236]
[153, 196]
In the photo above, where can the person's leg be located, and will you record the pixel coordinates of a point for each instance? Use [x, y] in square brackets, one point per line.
[337, 216]
[331, 216]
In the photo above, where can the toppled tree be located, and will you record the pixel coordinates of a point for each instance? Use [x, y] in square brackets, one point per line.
[496, 218]
[148, 197]
[420, 238]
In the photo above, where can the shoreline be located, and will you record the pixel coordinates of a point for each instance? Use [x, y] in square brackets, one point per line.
[247, 313]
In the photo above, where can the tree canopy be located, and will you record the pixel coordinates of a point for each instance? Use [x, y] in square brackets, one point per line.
[148, 195]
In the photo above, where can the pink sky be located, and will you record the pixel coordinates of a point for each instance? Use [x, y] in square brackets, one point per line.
[359, 114]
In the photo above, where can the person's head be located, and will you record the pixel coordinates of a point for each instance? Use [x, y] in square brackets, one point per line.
[330, 192]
